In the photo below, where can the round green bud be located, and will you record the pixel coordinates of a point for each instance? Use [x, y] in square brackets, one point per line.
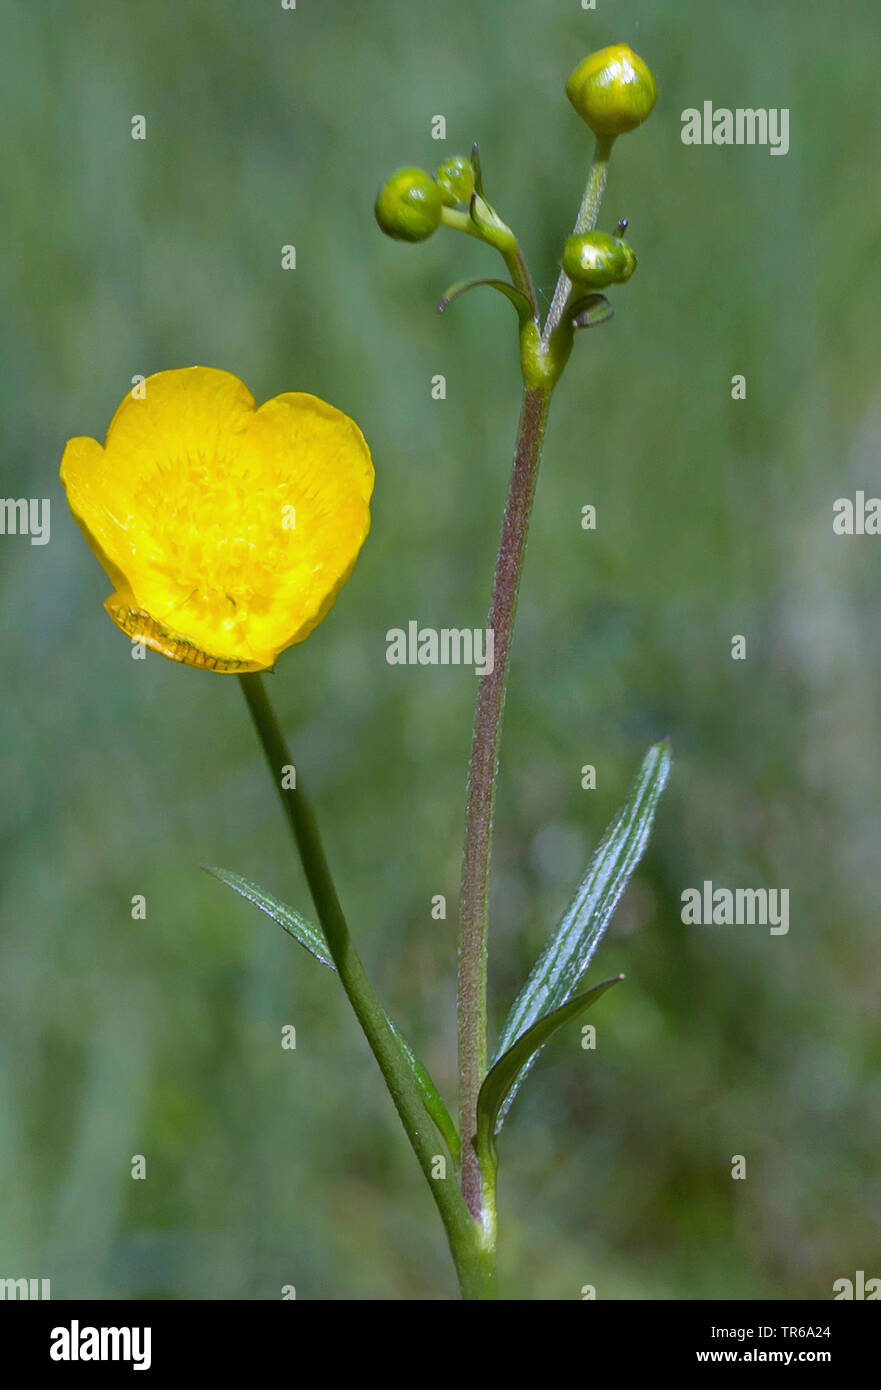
[408, 207]
[597, 259]
[613, 90]
[455, 179]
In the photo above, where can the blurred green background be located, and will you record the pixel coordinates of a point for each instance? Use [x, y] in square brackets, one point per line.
[162, 1037]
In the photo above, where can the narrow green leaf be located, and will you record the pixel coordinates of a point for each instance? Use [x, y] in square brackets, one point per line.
[555, 976]
[517, 297]
[298, 927]
[502, 1075]
[431, 1096]
[312, 937]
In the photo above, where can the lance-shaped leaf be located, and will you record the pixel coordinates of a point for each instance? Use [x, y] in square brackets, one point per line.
[298, 927]
[502, 1074]
[555, 976]
[312, 938]
[517, 297]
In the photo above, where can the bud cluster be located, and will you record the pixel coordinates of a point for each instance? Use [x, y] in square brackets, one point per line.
[410, 205]
[613, 91]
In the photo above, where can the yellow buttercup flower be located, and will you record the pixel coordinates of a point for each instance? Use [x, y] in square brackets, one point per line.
[227, 530]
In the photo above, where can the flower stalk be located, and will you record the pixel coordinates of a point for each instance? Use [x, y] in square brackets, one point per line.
[474, 1265]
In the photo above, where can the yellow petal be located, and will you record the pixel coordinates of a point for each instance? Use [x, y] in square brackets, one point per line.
[227, 530]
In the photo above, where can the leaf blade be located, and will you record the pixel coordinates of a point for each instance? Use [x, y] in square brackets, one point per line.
[555, 976]
[431, 1096]
[312, 939]
[297, 926]
[516, 297]
[502, 1074]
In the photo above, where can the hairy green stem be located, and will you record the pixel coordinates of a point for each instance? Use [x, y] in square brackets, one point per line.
[519, 272]
[586, 220]
[475, 1269]
[477, 1188]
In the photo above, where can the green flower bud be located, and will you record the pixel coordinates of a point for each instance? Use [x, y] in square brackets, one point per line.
[597, 259]
[455, 179]
[409, 207]
[612, 90]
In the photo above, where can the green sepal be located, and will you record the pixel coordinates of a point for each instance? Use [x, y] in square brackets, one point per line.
[312, 938]
[478, 170]
[503, 1074]
[590, 311]
[517, 297]
[490, 226]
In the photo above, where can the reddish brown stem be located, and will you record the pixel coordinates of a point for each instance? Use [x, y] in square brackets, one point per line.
[481, 794]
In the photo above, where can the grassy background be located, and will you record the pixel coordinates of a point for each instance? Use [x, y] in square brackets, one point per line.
[161, 1037]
